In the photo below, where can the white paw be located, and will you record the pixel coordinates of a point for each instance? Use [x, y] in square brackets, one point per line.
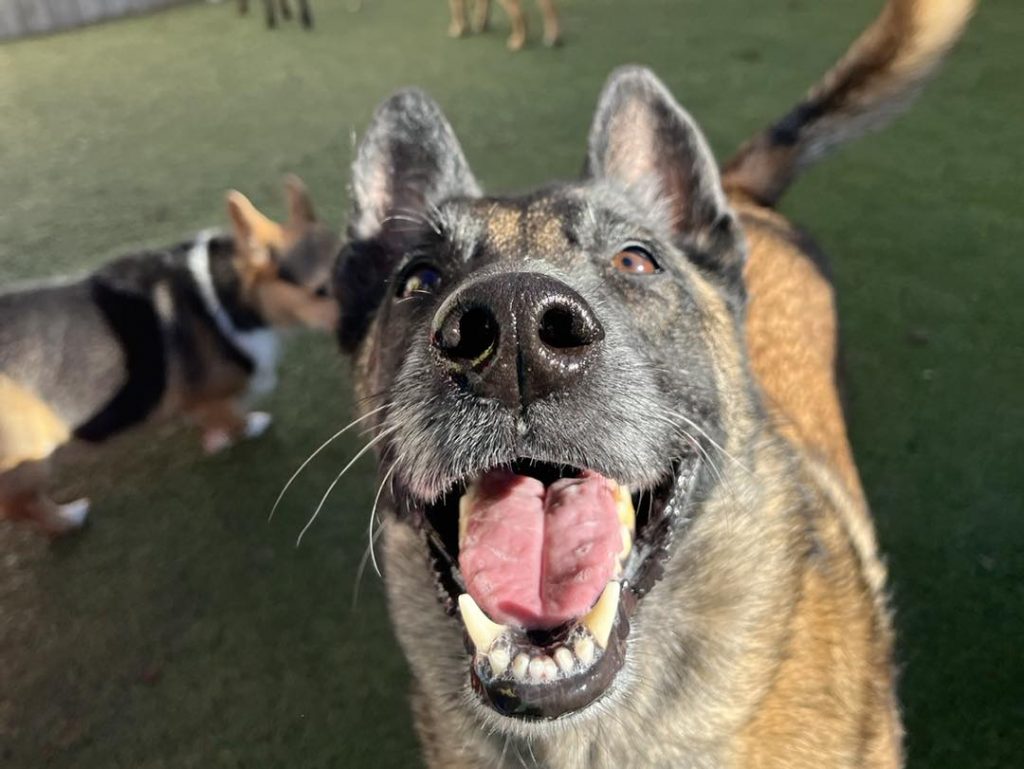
[256, 423]
[73, 514]
[215, 441]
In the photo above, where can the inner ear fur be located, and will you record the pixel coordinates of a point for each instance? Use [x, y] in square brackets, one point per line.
[408, 162]
[643, 141]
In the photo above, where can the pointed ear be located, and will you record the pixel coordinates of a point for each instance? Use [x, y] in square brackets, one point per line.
[300, 206]
[643, 141]
[408, 161]
[251, 228]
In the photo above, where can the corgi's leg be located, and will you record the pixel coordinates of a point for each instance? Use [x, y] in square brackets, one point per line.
[482, 16]
[224, 422]
[286, 10]
[552, 29]
[52, 518]
[514, 9]
[22, 497]
[457, 28]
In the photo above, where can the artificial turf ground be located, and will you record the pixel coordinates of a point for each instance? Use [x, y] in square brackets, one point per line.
[183, 630]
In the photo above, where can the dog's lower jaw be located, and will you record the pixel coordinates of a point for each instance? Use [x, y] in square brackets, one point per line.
[684, 685]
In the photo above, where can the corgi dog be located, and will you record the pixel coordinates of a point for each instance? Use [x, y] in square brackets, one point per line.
[192, 329]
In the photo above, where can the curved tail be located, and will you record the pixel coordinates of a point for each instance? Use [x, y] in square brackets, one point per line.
[878, 77]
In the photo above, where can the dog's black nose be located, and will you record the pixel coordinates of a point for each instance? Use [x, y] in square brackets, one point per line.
[516, 337]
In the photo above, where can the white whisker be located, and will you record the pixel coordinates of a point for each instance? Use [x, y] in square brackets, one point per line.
[313, 456]
[337, 479]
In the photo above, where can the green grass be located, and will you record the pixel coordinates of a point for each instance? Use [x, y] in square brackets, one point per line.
[183, 630]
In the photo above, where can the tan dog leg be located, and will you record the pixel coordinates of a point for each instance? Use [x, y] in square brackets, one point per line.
[457, 28]
[514, 9]
[482, 15]
[22, 498]
[552, 29]
[224, 423]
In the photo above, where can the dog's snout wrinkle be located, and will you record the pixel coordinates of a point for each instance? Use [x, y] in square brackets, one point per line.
[517, 337]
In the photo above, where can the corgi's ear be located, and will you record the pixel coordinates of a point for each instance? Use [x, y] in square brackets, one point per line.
[300, 206]
[252, 230]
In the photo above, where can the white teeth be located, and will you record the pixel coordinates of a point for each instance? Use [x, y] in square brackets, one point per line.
[537, 668]
[564, 659]
[627, 544]
[601, 618]
[519, 667]
[584, 649]
[624, 507]
[481, 630]
[499, 659]
[550, 669]
[465, 501]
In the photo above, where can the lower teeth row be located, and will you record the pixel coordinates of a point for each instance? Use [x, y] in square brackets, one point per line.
[542, 668]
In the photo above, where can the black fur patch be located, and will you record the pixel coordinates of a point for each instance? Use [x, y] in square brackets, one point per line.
[135, 324]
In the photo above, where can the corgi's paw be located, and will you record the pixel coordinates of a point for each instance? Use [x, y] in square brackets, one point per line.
[257, 423]
[215, 441]
[72, 514]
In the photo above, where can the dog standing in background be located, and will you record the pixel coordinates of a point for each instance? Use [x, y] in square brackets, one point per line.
[305, 14]
[514, 9]
[622, 525]
[190, 329]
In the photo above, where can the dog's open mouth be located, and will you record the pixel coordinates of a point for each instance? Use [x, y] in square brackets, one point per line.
[545, 564]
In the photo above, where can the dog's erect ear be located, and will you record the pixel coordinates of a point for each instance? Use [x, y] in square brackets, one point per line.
[251, 228]
[643, 141]
[301, 213]
[408, 161]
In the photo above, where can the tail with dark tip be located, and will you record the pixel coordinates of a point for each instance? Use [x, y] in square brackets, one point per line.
[878, 77]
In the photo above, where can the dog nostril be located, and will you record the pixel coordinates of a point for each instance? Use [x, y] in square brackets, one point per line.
[470, 336]
[564, 328]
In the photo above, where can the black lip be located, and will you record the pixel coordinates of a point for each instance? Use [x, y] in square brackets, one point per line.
[660, 520]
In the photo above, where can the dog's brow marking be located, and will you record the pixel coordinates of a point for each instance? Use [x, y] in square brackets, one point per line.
[503, 227]
[545, 231]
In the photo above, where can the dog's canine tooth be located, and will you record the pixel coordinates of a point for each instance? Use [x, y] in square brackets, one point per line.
[520, 665]
[564, 660]
[499, 658]
[465, 501]
[584, 649]
[627, 544]
[624, 507]
[481, 629]
[600, 619]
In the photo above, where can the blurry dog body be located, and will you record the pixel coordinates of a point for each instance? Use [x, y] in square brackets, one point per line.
[305, 14]
[192, 329]
[517, 18]
[657, 327]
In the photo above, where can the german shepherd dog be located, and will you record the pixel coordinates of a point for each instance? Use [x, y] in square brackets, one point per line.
[517, 18]
[190, 329]
[622, 525]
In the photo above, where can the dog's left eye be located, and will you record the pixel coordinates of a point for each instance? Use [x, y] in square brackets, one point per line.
[422, 279]
[635, 260]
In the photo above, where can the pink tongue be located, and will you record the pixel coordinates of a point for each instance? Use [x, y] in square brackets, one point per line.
[537, 558]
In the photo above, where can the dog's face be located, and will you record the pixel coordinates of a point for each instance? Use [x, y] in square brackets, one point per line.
[545, 373]
[285, 269]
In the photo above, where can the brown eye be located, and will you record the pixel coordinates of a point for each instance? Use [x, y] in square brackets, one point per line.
[421, 279]
[635, 261]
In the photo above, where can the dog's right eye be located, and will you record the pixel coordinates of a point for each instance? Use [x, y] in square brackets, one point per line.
[419, 279]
